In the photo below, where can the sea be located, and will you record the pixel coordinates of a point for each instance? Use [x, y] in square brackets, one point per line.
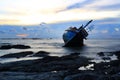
[55, 48]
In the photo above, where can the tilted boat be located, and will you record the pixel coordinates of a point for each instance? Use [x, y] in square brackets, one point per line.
[74, 37]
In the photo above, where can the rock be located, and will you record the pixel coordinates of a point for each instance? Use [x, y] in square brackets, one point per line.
[71, 56]
[115, 77]
[31, 76]
[58, 68]
[18, 46]
[5, 47]
[83, 76]
[108, 68]
[17, 55]
[106, 58]
[46, 64]
[101, 54]
[41, 54]
[117, 53]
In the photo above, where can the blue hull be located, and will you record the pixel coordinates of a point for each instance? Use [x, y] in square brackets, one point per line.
[72, 39]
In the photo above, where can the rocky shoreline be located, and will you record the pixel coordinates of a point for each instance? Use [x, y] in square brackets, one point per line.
[68, 67]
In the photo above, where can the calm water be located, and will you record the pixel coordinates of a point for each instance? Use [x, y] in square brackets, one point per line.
[54, 46]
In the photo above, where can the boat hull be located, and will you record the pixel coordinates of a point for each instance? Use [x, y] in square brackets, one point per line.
[72, 39]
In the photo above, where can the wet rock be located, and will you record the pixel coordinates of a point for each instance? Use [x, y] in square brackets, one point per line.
[59, 68]
[18, 46]
[108, 68]
[83, 76]
[46, 64]
[115, 77]
[71, 56]
[117, 53]
[41, 54]
[101, 54]
[106, 58]
[5, 47]
[17, 55]
[14, 46]
[31, 76]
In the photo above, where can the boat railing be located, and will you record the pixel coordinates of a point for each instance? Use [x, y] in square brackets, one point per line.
[83, 31]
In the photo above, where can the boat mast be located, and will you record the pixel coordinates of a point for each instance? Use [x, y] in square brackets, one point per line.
[87, 23]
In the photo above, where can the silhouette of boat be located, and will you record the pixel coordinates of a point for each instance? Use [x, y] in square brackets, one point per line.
[74, 37]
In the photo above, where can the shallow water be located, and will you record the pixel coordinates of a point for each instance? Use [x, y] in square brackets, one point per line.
[54, 46]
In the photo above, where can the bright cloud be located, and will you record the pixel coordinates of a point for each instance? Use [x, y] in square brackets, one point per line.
[52, 11]
[117, 29]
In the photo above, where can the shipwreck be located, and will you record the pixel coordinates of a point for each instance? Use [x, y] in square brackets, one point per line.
[74, 37]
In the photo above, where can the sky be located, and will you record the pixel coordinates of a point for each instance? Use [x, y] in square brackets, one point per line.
[23, 18]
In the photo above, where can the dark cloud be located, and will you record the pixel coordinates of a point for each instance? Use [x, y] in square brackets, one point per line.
[109, 7]
[79, 5]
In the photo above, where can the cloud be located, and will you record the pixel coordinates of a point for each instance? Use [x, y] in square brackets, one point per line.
[8, 21]
[22, 35]
[53, 11]
[117, 29]
[79, 4]
[110, 7]
[33, 11]
[102, 3]
[95, 5]
[12, 12]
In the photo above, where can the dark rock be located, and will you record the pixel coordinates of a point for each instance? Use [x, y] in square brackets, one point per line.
[18, 46]
[115, 77]
[83, 76]
[59, 68]
[106, 58]
[5, 47]
[74, 54]
[101, 54]
[108, 68]
[17, 55]
[41, 54]
[15, 46]
[31, 76]
[50, 58]
[71, 56]
[46, 64]
[117, 53]
[101, 66]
